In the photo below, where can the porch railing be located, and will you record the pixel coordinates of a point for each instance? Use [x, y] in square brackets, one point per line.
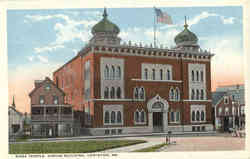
[65, 117]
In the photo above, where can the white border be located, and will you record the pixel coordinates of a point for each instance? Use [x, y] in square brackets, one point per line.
[42, 4]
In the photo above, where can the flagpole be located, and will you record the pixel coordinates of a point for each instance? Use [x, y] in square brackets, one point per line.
[154, 28]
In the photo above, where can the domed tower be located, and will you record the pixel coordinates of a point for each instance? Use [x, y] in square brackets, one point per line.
[186, 39]
[105, 32]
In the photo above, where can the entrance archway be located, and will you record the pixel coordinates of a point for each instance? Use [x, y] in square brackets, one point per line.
[158, 114]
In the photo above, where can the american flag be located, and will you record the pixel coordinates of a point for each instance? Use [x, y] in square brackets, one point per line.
[162, 17]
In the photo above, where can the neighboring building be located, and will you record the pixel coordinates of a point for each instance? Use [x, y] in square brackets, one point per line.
[15, 121]
[229, 105]
[27, 124]
[125, 88]
[50, 116]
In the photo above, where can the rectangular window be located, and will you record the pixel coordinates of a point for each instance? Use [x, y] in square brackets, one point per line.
[177, 116]
[172, 117]
[113, 131]
[119, 131]
[198, 128]
[87, 80]
[107, 132]
[55, 99]
[203, 128]
[193, 128]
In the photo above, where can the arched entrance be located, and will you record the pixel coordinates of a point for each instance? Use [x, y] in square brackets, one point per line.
[158, 114]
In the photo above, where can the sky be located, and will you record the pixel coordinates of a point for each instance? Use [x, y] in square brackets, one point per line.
[40, 41]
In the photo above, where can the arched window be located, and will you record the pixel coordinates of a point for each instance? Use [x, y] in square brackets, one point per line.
[119, 117]
[226, 111]
[106, 117]
[192, 75]
[137, 116]
[118, 73]
[106, 72]
[41, 99]
[168, 74]
[171, 94]
[142, 93]
[142, 116]
[202, 115]
[192, 94]
[197, 115]
[202, 77]
[193, 115]
[112, 117]
[197, 75]
[145, 73]
[153, 74]
[112, 74]
[136, 93]
[177, 94]
[197, 94]
[202, 94]
[161, 74]
[220, 111]
[112, 92]
[106, 92]
[118, 92]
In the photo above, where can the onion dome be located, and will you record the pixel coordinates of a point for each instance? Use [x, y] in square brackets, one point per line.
[105, 26]
[186, 37]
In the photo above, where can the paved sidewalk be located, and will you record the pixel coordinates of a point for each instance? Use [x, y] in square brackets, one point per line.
[150, 142]
[215, 143]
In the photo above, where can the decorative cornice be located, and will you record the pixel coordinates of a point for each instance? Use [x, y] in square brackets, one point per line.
[150, 51]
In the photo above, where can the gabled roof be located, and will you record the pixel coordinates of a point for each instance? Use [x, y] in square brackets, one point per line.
[50, 81]
[216, 96]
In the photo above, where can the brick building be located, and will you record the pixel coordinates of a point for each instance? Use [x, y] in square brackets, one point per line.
[229, 105]
[50, 115]
[125, 88]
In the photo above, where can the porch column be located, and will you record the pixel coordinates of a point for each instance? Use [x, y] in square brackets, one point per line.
[165, 121]
[233, 121]
[44, 113]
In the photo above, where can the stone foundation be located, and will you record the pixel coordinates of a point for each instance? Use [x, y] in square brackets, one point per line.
[143, 130]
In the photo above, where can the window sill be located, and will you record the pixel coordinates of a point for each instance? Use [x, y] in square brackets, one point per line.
[174, 122]
[112, 99]
[114, 124]
[174, 100]
[151, 80]
[138, 100]
[198, 121]
[140, 123]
